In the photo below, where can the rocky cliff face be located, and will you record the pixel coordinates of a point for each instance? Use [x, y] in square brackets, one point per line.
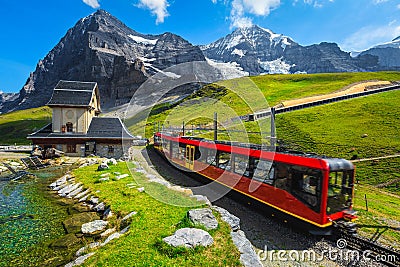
[387, 54]
[257, 50]
[101, 48]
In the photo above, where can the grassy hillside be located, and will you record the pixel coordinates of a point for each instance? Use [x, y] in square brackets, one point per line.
[359, 128]
[15, 126]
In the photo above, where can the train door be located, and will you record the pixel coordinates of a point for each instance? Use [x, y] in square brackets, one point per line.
[190, 150]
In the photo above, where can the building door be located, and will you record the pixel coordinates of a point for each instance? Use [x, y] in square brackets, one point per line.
[71, 148]
[90, 148]
[190, 157]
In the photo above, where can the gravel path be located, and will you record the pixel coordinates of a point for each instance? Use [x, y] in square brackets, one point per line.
[266, 233]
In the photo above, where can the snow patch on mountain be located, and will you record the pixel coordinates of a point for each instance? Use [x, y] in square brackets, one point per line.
[142, 40]
[277, 66]
[238, 52]
[229, 70]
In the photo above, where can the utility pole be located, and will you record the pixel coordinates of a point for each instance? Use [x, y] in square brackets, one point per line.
[273, 134]
[215, 126]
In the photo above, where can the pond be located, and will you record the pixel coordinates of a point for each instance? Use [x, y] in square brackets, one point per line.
[30, 218]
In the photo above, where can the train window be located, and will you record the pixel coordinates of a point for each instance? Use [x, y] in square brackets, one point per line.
[339, 191]
[208, 156]
[282, 177]
[175, 149]
[264, 172]
[241, 165]
[224, 161]
[306, 185]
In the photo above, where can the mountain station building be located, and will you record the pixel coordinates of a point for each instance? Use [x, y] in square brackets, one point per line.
[76, 128]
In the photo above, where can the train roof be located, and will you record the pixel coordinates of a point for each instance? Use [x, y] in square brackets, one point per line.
[277, 154]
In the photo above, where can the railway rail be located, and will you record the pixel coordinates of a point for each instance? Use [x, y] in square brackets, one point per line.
[347, 237]
[280, 110]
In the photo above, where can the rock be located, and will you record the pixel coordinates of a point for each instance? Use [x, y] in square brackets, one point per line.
[111, 161]
[80, 195]
[65, 191]
[232, 220]
[108, 232]
[94, 227]
[189, 238]
[75, 192]
[79, 207]
[202, 198]
[84, 198]
[60, 181]
[104, 179]
[204, 217]
[141, 189]
[103, 167]
[66, 241]
[364, 135]
[116, 173]
[107, 213]
[105, 174]
[74, 223]
[122, 176]
[94, 200]
[248, 256]
[111, 237]
[85, 248]
[80, 260]
[129, 216]
[126, 221]
[100, 207]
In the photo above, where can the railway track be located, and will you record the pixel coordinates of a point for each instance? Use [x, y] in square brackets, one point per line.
[368, 249]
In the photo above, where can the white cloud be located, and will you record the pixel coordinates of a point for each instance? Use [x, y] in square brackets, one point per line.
[370, 36]
[314, 3]
[240, 8]
[377, 2]
[92, 3]
[157, 8]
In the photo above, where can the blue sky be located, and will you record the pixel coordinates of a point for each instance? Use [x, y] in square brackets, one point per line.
[32, 28]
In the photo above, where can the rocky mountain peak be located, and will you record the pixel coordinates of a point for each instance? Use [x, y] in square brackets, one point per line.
[101, 48]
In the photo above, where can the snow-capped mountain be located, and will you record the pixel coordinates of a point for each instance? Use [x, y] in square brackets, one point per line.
[257, 50]
[388, 54]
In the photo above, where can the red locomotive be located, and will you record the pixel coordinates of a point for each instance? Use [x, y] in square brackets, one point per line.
[317, 190]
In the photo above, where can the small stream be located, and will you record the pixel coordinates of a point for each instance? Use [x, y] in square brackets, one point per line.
[30, 218]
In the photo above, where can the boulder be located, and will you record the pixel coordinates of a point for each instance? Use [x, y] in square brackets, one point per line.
[189, 238]
[103, 166]
[122, 176]
[232, 220]
[248, 256]
[80, 260]
[74, 223]
[100, 207]
[80, 195]
[94, 227]
[203, 217]
[66, 241]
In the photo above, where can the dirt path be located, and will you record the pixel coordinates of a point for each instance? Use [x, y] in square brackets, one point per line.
[356, 88]
[376, 158]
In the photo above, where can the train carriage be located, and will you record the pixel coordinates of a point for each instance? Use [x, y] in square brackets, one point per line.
[314, 189]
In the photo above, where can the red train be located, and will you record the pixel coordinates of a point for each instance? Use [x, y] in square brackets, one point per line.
[317, 190]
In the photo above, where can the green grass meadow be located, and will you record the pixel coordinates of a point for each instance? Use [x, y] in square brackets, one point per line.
[15, 126]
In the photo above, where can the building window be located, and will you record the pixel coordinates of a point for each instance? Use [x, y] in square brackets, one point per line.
[71, 148]
[69, 127]
[110, 150]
